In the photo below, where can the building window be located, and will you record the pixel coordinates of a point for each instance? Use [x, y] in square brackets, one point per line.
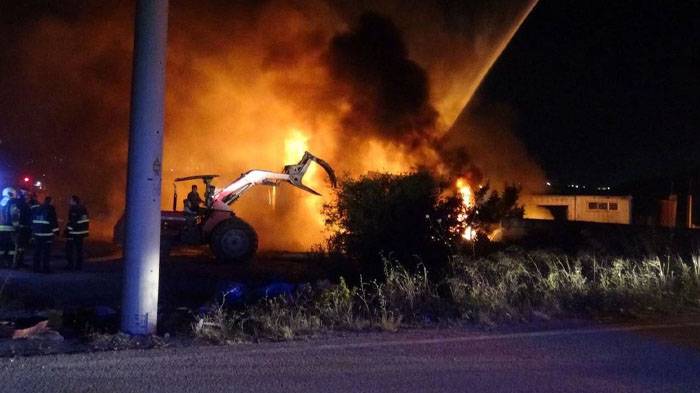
[603, 206]
[613, 206]
[592, 205]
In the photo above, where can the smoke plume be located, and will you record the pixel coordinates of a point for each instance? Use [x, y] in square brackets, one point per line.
[388, 92]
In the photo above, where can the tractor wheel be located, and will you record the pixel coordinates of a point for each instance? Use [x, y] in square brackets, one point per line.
[234, 240]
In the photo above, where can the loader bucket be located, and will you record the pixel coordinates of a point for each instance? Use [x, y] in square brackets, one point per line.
[297, 171]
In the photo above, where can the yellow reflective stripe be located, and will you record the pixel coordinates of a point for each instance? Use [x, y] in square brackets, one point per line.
[41, 222]
[44, 234]
[78, 232]
[82, 221]
[55, 229]
[6, 228]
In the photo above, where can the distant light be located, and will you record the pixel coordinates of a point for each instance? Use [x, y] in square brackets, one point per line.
[26, 180]
[37, 184]
[549, 184]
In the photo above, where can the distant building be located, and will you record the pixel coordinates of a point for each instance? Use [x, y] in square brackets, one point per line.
[589, 208]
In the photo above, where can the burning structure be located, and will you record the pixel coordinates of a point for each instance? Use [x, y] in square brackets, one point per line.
[370, 86]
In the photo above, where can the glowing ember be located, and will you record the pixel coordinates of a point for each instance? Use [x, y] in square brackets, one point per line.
[465, 191]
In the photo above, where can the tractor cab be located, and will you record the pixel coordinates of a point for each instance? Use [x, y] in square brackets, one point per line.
[209, 189]
[186, 226]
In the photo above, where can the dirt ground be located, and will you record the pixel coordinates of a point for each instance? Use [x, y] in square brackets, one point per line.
[189, 279]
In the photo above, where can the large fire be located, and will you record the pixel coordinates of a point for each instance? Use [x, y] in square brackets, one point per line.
[270, 99]
[250, 87]
[467, 194]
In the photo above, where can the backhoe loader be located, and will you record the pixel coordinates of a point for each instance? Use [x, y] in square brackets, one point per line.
[230, 238]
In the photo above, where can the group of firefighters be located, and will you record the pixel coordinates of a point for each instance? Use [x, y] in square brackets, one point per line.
[25, 221]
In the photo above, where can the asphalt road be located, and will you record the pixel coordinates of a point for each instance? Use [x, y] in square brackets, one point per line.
[610, 359]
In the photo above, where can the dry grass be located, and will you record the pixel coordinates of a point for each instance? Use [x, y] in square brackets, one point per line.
[402, 298]
[502, 287]
[513, 286]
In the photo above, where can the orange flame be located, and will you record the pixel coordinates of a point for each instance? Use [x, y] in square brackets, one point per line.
[467, 194]
[295, 144]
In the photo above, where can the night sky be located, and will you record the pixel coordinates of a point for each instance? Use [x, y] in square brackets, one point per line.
[604, 92]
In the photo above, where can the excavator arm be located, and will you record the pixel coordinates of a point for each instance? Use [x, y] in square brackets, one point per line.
[292, 174]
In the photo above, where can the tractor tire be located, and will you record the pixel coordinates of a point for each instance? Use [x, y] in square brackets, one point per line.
[234, 241]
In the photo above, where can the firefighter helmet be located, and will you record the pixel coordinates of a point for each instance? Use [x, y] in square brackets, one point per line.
[9, 192]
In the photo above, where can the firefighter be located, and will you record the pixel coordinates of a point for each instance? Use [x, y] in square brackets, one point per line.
[8, 221]
[24, 229]
[77, 229]
[33, 201]
[44, 227]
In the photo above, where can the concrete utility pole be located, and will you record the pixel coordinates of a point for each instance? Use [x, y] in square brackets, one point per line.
[142, 245]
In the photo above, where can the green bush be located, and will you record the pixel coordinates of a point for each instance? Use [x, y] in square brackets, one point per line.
[389, 215]
[413, 218]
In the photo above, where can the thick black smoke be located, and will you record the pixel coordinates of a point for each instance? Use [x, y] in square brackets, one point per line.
[388, 93]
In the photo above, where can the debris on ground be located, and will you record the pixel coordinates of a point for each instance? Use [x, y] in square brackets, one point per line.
[233, 293]
[39, 328]
[37, 331]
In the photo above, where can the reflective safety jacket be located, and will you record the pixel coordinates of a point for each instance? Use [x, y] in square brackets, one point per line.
[78, 222]
[9, 215]
[44, 222]
[33, 204]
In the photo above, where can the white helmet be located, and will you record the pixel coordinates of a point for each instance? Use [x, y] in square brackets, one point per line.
[9, 192]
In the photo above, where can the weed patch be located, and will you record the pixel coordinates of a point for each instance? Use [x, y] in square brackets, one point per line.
[505, 286]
